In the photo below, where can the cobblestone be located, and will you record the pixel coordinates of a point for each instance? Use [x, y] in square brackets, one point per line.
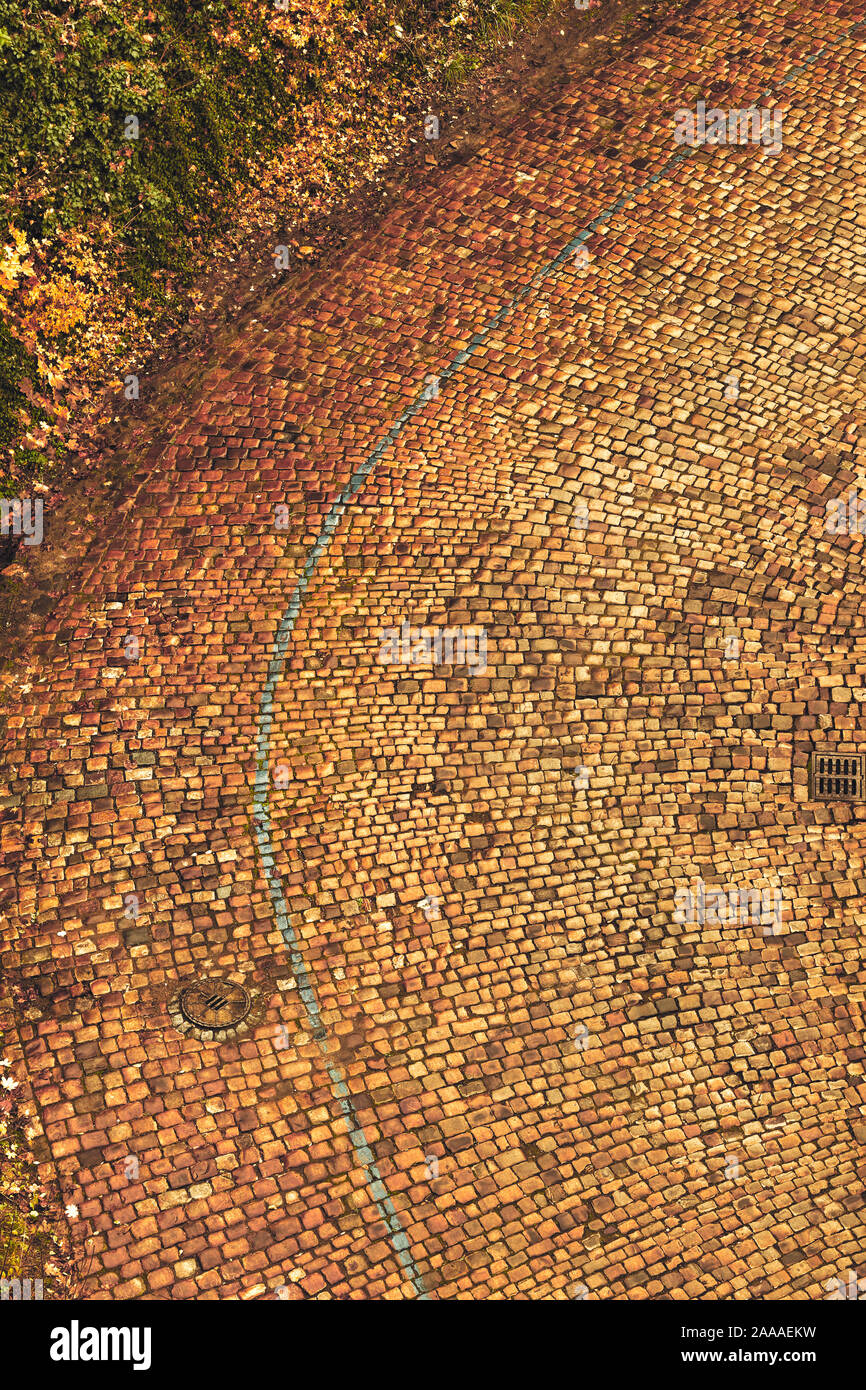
[623, 485]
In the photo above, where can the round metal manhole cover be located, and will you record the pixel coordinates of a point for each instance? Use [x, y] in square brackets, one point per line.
[214, 1004]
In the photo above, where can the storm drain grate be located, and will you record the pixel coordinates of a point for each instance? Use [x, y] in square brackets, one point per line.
[837, 777]
[214, 1004]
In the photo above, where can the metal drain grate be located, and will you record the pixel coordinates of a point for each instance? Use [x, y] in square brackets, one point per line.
[214, 1004]
[837, 777]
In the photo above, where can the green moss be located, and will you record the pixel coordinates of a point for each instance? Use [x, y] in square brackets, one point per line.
[203, 111]
[16, 413]
[15, 366]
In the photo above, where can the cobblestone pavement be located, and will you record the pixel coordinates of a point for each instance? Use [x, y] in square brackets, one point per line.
[494, 1051]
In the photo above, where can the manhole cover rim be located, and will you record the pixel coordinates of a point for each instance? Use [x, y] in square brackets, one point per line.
[223, 1004]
